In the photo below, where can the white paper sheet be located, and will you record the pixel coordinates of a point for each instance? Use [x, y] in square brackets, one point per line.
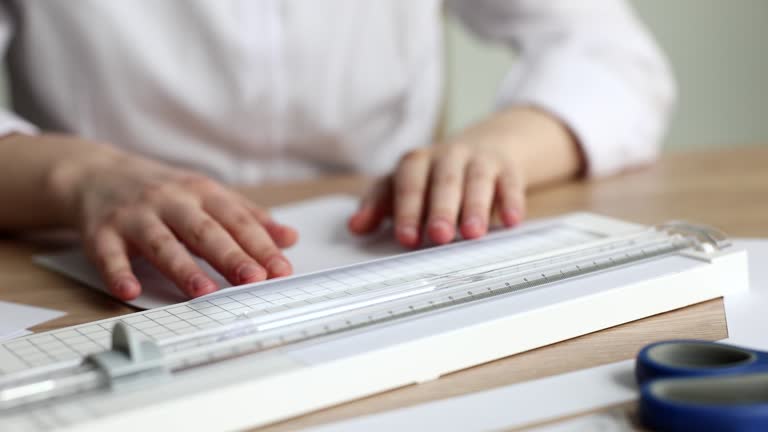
[568, 394]
[15, 335]
[747, 312]
[614, 420]
[15, 318]
[324, 243]
[507, 407]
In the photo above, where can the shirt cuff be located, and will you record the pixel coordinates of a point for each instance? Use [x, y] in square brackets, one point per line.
[614, 126]
[11, 123]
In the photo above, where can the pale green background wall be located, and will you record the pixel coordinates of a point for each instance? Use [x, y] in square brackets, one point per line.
[717, 48]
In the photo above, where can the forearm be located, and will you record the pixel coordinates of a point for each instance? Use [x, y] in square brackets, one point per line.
[35, 174]
[544, 148]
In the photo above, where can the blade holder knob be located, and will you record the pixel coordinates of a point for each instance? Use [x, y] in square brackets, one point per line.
[131, 361]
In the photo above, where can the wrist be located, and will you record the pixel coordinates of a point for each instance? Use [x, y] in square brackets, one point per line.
[71, 172]
[541, 147]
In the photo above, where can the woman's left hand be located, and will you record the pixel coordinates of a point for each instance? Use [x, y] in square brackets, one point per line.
[455, 186]
[442, 187]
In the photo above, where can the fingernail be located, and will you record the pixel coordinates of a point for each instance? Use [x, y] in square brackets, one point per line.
[363, 210]
[407, 235]
[440, 231]
[125, 289]
[201, 285]
[250, 272]
[473, 222]
[358, 218]
[279, 266]
[354, 221]
[270, 224]
[290, 236]
[472, 227]
[280, 229]
[283, 228]
[510, 217]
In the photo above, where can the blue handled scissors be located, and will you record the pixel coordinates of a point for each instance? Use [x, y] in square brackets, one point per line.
[690, 385]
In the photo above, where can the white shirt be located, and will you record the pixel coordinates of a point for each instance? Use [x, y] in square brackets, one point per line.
[255, 90]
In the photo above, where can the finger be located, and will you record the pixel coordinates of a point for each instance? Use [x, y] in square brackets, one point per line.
[478, 197]
[511, 197]
[284, 236]
[205, 235]
[250, 235]
[160, 246]
[376, 206]
[410, 183]
[445, 196]
[109, 253]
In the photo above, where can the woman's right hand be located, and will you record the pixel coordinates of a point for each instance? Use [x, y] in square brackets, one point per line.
[124, 205]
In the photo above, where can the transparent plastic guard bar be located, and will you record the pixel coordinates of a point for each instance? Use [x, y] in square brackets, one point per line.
[415, 295]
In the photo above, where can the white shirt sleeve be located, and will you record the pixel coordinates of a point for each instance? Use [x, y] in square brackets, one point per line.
[10, 122]
[592, 64]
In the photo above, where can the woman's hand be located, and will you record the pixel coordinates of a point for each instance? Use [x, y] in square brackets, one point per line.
[127, 205]
[458, 184]
[442, 188]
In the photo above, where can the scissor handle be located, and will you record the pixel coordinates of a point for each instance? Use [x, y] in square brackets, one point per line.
[693, 385]
[706, 403]
[691, 358]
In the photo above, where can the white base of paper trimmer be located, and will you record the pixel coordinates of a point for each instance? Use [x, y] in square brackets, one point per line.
[296, 379]
[278, 386]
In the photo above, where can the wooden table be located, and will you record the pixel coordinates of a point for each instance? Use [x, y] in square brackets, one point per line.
[727, 189]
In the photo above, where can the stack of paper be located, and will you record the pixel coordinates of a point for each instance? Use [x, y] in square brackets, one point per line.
[16, 319]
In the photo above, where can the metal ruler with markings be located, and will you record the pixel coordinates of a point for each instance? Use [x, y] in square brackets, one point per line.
[273, 350]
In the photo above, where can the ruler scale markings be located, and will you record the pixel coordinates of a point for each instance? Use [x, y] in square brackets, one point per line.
[456, 288]
[449, 258]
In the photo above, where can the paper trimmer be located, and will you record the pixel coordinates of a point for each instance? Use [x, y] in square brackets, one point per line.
[256, 354]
